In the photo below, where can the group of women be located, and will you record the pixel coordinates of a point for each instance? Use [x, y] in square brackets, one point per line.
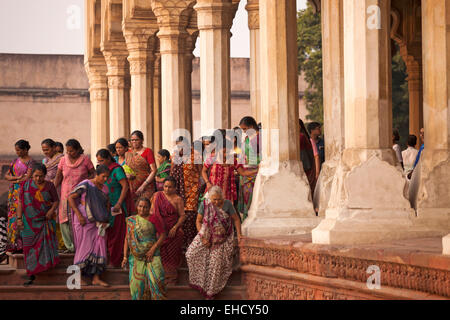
[130, 212]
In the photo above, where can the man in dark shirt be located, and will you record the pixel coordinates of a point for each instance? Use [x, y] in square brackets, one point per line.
[315, 131]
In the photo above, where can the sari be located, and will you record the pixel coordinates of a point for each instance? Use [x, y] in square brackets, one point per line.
[16, 169]
[40, 247]
[191, 177]
[246, 184]
[163, 173]
[222, 175]
[52, 169]
[90, 244]
[307, 158]
[210, 268]
[117, 226]
[146, 278]
[171, 249]
[142, 170]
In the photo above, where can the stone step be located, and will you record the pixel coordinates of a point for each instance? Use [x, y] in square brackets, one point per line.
[121, 292]
[58, 276]
[17, 260]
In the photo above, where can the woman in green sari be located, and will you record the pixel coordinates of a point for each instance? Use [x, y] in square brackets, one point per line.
[146, 269]
[163, 172]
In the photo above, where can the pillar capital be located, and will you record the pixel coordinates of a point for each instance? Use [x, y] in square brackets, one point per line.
[252, 8]
[215, 14]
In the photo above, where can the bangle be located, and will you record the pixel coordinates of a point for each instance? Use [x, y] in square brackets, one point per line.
[19, 218]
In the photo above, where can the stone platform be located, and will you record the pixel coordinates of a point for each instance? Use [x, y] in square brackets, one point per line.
[51, 285]
[292, 268]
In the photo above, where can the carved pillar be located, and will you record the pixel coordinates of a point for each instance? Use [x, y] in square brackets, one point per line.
[96, 69]
[119, 94]
[141, 61]
[157, 125]
[115, 51]
[415, 89]
[333, 98]
[173, 20]
[98, 89]
[215, 18]
[277, 210]
[432, 201]
[255, 87]
[368, 200]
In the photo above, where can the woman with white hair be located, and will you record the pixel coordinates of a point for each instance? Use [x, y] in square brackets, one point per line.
[210, 255]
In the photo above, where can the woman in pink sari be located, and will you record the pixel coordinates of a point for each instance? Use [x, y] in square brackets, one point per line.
[170, 207]
[90, 205]
[19, 171]
[72, 169]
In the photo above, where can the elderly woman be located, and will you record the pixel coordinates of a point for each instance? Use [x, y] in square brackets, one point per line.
[210, 256]
[145, 236]
[35, 215]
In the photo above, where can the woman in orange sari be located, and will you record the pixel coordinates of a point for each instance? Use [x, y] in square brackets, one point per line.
[169, 207]
[142, 162]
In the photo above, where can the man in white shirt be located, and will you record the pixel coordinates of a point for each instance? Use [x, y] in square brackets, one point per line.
[410, 154]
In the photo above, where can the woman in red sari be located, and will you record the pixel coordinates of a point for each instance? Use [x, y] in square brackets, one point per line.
[221, 172]
[170, 208]
[142, 161]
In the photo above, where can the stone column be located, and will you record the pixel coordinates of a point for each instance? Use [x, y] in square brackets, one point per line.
[415, 89]
[172, 21]
[432, 201]
[98, 89]
[282, 198]
[255, 86]
[119, 94]
[141, 61]
[190, 46]
[157, 119]
[333, 98]
[368, 200]
[215, 18]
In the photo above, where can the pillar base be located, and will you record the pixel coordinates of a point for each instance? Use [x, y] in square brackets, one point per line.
[281, 203]
[323, 188]
[446, 245]
[368, 205]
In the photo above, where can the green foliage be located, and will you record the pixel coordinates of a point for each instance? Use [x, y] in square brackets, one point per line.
[309, 42]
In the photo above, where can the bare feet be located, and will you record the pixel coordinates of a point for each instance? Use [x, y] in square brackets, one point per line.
[99, 282]
[84, 282]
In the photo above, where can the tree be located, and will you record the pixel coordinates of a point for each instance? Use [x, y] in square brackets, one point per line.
[309, 42]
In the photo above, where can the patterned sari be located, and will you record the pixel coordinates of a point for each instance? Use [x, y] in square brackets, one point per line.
[142, 170]
[146, 278]
[222, 175]
[191, 174]
[171, 249]
[40, 247]
[246, 184]
[52, 169]
[210, 268]
[17, 169]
